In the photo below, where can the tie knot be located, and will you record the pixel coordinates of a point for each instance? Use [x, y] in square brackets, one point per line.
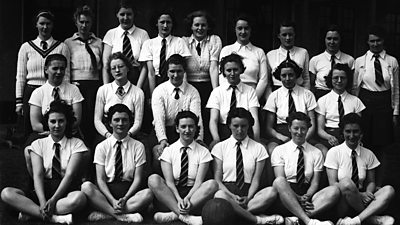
[119, 143]
[332, 58]
[57, 145]
[238, 143]
[126, 33]
[290, 91]
[164, 41]
[184, 149]
[354, 153]
[300, 148]
[177, 89]
[376, 56]
[233, 87]
[44, 45]
[340, 98]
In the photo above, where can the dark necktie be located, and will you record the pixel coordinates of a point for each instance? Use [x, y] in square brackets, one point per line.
[300, 166]
[176, 93]
[354, 174]
[233, 97]
[378, 71]
[239, 167]
[198, 49]
[127, 48]
[120, 92]
[183, 178]
[56, 94]
[288, 55]
[44, 45]
[332, 61]
[163, 60]
[340, 108]
[292, 106]
[56, 167]
[118, 163]
[90, 51]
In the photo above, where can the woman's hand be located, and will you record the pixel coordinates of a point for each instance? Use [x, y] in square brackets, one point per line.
[48, 208]
[283, 138]
[116, 206]
[367, 197]
[242, 201]
[332, 140]
[121, 202]
[184, 206]
[161, 146]
[18, 110]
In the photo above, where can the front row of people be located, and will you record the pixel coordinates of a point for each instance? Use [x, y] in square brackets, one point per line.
[183, 190]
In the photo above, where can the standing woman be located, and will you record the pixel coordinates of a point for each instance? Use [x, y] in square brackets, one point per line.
[55, 162]
[86, 50]
[254, 59]
[30, 65]
[128, 39]
[202, 67]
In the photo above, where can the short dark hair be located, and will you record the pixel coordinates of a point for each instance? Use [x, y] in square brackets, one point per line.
[46, 14]
[121, 56]
[61, 106]
[288, 63]
[298, 116]
[177, 59]
[54, 57]
[84, 10]
[341, 67]
[127, 4]
[240, 113]
[350, 118]
[286, 23]
[377, 30]
[156, 16]
[233, 57]
[333, 27]
[188, 114]
[246, 17]
[121, 108]
[199, 13]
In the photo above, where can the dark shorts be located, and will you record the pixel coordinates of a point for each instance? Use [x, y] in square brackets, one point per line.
[160, 207]
[232, 187]
[282, 129]
[278, 207]
[50, 187]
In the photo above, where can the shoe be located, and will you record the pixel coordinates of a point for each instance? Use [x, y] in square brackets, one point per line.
[292, 220]
[381, 220]
[165, 217]
[317, 222]
[130, 218]
[64, 219]
[23, 217]
[349, 221]
[272, 219]
[191, 220]
[97, 216]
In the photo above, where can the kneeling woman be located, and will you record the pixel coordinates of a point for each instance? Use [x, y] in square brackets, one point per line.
[55, 165]
[352, 167]
[298, 166]
[238, 164]
[119, 170]
[184, 164]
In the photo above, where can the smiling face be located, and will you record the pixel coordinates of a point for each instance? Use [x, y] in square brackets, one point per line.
[120, 123]
[232, 73]
[57, 123]
[125, 18]
[44, 27]
[339, 81]
[199, 28]
[119, 71]
[332, 42]
[186, 130]
[375, 43]
[286, 37]
[55, 72]
[176, 74]
[164, 25]
[239, 128]
[243, 32]
[84, 24]
[352, 135]
[288, 78]
[298, 130]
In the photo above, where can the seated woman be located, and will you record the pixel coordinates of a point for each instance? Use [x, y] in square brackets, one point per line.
[55, 165]
[120, 91]
[119, 170]
[333, 106]
[351, 167]
[183, 192]
[285, 100]
[231, 94]
[238, 164]
[298, 166]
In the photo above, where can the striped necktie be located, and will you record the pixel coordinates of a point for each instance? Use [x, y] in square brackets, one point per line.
[120, 92]
[300, 166]
[340, 108]
[233, 97]
[56, 93]
[332, 61]
[239, 167]
[127, 48]
[56, 163]
[354, 174]
[163, 60]
[118, 163]
[184, 176]
[378, 71]
[292, 106]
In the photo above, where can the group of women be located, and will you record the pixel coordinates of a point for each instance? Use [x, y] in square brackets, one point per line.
[59, 92]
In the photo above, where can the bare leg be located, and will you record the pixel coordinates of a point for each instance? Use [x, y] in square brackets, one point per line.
[204, 193]
[271, 146]
[382, 200]
[236, 207]
[141, 199]
[322, 148]
[28, 161]
[262, 200]
[324, 199]
[74, 201]
[17, 199]
[351, 194]
[289, 199]
[96, 199]
[162, 192]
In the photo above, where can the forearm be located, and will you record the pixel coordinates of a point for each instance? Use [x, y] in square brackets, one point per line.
[105, 190]
[173, 189]
[100, 127]
[142, 76]
[133, 188]
[253, 189]
[62, 187]
[38, 182]
[214, 74]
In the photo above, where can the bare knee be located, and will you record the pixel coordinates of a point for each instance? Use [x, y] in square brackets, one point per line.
[147, 195]
[271, 146]
[221, 194]
[154, 181]
[211, 186]
[333, 192]
[77, 200]
[279, 182]
[8, 194]
[87, 188]
[347, 185]
[388, 191]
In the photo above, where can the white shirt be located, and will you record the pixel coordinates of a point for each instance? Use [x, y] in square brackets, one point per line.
[133, 156]
[328, 107]
[297, 54]
[254, 61]
[252, 152]
[287, 155]
[166, 107]
[278, 102]
[339, 158]
[152, 48]
[220, 99]
[320, 65]
[115, 39]
[43, 96]
[197, 155]
[45, 148]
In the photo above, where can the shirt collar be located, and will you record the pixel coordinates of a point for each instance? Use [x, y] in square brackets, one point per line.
[343, 95]
[191, 146]
[61, 87]
[370, 55]
[62, 142]
[337, 55]
[76, 36]
[49, 41]
[193, 41]
[238, 46]
[171, 87]
[126, 86]
[168, 38]
[295, 89]
[122, 31]
[124, 141]
[293, 146]
[227, 86]
[233, 141]
[283, 51]
[349, 150]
